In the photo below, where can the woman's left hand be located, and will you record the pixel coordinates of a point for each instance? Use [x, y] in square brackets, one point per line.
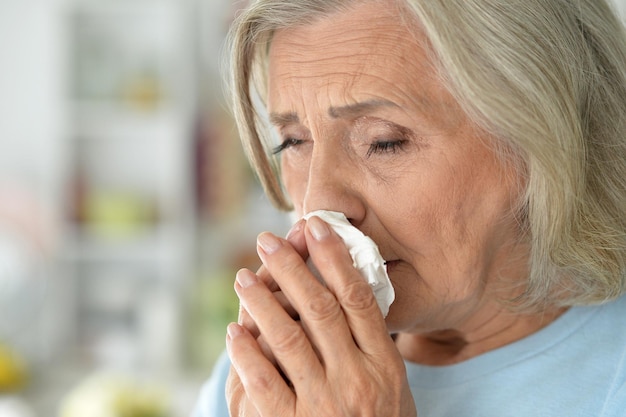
[337, 359]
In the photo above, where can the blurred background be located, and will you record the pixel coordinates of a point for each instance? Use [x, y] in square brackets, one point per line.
[126, 205]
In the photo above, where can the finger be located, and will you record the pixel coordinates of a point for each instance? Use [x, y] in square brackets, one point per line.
[246, 320]
[351, 290]
[296, 237]
[320, 313]
[284, 336]
[238, 403]
[267, 351]
[266, 278]
[263, 384]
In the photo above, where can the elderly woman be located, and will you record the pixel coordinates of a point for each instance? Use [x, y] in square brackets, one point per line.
[482, 145]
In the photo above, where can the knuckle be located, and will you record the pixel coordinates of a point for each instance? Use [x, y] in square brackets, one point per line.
[287, 339]
[261, 382]
[285, 262]
[322, 307]
[357, 296]
[365, 393]
[290, 268]
[291, 265]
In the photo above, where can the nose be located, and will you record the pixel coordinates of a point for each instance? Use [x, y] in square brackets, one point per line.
[334, 183]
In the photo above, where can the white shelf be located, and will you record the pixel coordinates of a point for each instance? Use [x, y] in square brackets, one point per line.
[99, 112]
[129, 228]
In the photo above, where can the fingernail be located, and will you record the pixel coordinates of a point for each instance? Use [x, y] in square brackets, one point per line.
[268, 242]
[246, 278]
[296, 228]
[319, 229]
[234, 330]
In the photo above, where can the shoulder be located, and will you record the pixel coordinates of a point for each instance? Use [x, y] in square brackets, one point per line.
[610, 323]
[615, 314]
[575, 366]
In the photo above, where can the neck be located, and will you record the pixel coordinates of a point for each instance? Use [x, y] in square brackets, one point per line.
[450, 346]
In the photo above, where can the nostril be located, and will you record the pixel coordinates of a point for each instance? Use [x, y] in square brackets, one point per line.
[334, 193]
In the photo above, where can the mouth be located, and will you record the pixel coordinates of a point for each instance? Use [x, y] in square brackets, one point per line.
[390, 265]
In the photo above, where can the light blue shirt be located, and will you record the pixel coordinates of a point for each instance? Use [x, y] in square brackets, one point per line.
[575, 367]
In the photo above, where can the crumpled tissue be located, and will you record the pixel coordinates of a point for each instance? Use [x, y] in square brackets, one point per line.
[365, 256]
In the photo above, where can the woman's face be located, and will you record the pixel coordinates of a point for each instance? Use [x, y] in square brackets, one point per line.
[367, 129]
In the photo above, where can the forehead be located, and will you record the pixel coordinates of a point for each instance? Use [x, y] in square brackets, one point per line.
[367, 52]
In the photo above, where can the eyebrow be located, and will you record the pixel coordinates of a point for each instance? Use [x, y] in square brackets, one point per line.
[359, 109]
[347, 111]
[284, 119]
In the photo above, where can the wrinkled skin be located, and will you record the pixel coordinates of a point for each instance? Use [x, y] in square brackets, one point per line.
[322, 354]
[369, 130]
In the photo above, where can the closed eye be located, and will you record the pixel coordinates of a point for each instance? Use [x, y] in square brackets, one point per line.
[287, 143]
[386, 146]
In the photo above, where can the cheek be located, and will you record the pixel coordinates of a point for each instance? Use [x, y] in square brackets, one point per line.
[295, 180]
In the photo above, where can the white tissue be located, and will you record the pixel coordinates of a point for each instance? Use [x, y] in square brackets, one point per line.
[365, 256]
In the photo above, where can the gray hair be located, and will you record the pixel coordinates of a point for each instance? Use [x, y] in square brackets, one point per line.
[547, 78]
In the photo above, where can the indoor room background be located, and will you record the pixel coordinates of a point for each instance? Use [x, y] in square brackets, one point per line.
[126, 205]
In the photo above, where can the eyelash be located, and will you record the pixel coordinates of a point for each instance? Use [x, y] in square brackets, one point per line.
[385, 146]
[375, 148]
[287, 143]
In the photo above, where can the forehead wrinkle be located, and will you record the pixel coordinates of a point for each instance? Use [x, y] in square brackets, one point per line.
[359, 109]
[337, 62]
[311, 52]
[313, 60]
[308, 44]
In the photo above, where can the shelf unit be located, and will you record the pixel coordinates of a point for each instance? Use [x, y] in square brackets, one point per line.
[129, 203]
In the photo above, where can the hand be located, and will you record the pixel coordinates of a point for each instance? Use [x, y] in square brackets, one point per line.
[239, 405]
[338, 360]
